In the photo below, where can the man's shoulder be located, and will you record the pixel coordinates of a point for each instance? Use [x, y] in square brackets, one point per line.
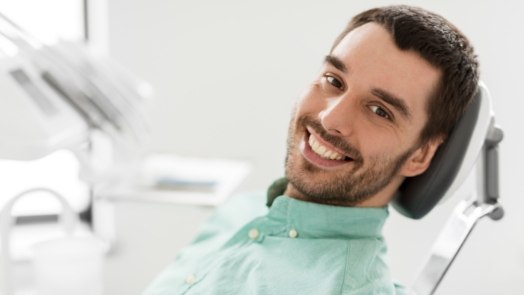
[230, 216]
[243, 207]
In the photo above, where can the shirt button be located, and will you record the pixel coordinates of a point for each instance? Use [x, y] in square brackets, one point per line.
[190, 279]
[253, 233]
[293, 233]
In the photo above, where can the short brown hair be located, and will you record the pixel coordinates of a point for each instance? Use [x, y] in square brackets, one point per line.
[442, 45]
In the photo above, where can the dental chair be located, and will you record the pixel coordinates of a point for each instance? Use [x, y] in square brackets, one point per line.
[472, 143]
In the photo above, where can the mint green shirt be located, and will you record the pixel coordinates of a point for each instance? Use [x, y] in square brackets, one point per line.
[295, 247]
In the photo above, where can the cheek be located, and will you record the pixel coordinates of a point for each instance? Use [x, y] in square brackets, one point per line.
[381, 146]
[377, 143]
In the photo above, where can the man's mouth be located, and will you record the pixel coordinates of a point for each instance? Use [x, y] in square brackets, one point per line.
[321, 153]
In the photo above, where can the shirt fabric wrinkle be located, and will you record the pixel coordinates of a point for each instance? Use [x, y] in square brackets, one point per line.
[295, 247]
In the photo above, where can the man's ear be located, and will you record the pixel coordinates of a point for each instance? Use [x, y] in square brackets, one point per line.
[420, 159]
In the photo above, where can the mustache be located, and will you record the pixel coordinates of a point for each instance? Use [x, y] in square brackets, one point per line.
[334, 140]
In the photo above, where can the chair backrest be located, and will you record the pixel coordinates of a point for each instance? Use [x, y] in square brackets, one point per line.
[452, 162]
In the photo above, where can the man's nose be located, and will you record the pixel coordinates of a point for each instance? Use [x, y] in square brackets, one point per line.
[338, 115]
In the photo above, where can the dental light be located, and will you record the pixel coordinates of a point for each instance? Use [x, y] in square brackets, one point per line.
[62, 96]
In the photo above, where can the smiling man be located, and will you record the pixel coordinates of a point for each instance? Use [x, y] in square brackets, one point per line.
[390, 90]
[356, 131]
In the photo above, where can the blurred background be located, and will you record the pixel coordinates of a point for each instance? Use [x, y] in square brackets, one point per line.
[226, 75]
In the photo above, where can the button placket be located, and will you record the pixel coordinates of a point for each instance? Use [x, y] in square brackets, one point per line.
[190, 279]
[253, 234]
[293, 233]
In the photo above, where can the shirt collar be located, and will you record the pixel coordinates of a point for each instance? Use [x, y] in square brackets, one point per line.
[313, 220]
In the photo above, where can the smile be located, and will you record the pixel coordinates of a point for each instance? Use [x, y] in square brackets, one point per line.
[323, 151]
[320, 153]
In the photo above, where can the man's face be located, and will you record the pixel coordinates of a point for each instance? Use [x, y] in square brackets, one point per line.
[354, 136]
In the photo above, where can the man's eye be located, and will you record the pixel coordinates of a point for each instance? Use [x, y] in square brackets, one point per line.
[333, 81]
[380, 112]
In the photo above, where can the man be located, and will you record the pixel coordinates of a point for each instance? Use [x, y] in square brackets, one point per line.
[390, 90]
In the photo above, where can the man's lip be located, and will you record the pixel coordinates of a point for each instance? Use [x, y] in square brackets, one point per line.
[315, 159]
[310, 132]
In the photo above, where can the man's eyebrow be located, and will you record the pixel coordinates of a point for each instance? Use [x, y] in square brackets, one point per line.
[336, 62]
[398, 103]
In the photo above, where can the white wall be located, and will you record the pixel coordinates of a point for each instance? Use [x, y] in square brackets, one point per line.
[227, 73]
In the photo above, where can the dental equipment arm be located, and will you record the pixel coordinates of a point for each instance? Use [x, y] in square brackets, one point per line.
[473, 143]
[465, 216]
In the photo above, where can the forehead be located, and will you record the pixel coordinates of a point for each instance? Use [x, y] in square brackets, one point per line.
[374, 61]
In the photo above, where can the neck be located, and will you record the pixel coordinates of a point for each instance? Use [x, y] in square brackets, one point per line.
[379, 199]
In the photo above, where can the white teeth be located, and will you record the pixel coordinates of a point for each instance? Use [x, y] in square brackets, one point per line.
[315, 145]
[323, 151]
[328, 154]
